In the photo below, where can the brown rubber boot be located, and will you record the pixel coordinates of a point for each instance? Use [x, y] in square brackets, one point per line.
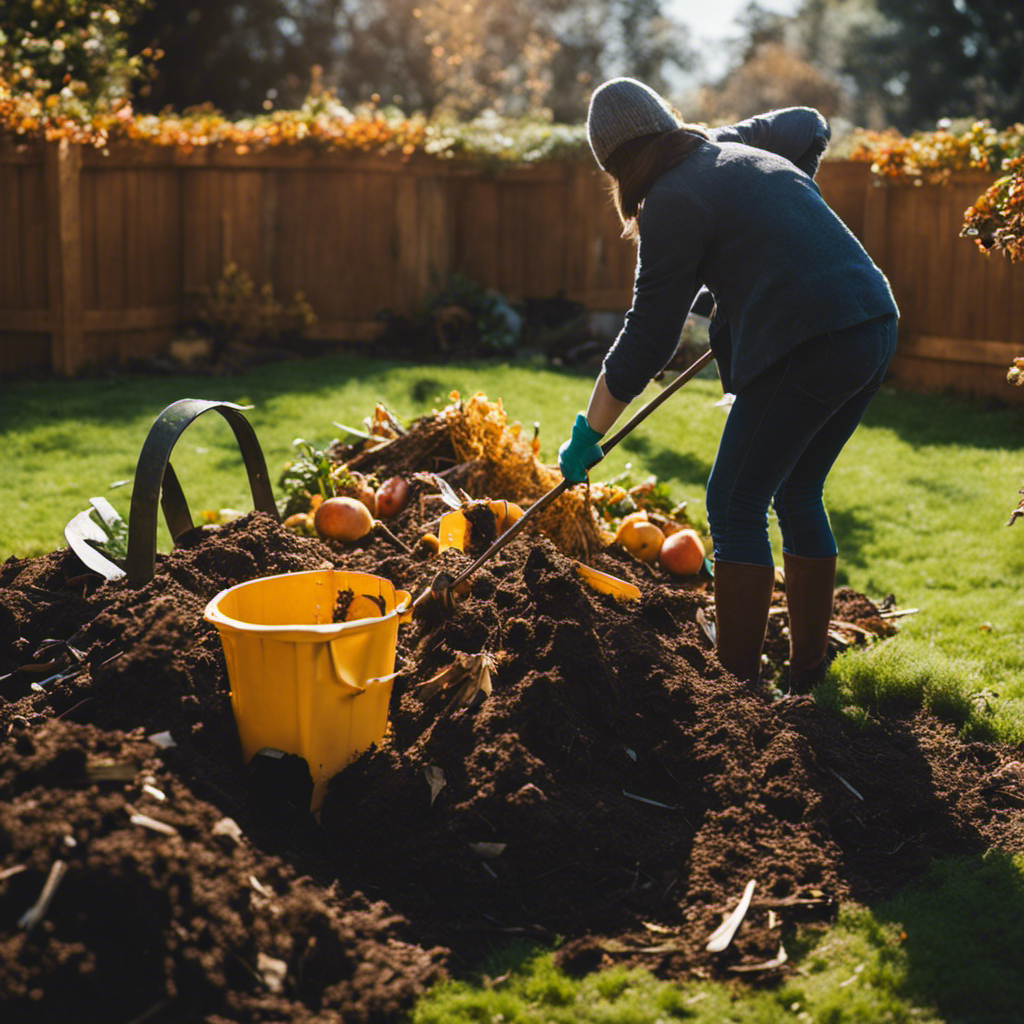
[743, 595]
[810, 591]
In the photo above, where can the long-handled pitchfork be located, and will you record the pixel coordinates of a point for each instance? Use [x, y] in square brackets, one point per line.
[441, 587]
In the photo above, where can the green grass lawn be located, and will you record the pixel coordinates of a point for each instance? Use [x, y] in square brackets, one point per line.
[919, 498]
[919, 502]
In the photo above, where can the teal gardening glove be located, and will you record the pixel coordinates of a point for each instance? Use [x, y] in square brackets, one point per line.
[580, 452]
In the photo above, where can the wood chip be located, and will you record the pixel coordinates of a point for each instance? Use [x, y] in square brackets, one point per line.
[260, 887]
[652, 927]
[435, 780]
[649, 801]
[228, 827]
[860, 630]
[38, 910]
[106, 769]
[706, 625]
[896, 613]
[145, 821]
[272, 971]
[846, 784]
[766, 965]
[489, 851]
[468, 678]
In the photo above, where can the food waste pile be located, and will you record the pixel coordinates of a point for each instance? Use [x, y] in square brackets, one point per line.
[616, 787]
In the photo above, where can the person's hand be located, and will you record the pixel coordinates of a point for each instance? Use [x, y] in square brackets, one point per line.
[580, 452]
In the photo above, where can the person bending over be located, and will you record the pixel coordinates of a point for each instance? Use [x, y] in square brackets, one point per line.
[803, 330]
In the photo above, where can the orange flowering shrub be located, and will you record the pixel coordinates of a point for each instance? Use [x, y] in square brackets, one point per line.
[933, 156]
[322, 123]
[996, 220]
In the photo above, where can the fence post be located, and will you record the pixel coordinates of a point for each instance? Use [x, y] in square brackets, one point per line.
[62, 165]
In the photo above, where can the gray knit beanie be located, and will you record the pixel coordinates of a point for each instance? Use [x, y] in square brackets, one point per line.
[622, 109]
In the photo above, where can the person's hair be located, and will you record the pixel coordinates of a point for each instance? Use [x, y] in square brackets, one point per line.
[636, 165]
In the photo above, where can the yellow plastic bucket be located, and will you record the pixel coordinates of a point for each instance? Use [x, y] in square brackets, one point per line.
[300, 682]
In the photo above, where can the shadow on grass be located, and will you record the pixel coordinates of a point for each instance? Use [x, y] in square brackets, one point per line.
[853, 529]
[126, 397]
[922, 420]
[963, 923]
[665, 463]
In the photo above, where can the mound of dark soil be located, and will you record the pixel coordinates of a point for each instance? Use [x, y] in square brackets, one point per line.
[617, 787]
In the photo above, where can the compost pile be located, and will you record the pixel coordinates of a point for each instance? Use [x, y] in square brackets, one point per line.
[617, 787]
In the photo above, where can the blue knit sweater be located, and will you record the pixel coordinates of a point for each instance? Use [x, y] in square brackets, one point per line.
[743, 217]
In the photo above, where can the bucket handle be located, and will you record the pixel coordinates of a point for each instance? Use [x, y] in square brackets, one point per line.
[343, 677]
[156, 482]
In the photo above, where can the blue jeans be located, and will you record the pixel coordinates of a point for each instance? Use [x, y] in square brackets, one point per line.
[784, 432]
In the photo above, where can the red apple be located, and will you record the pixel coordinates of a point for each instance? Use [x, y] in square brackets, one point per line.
[682, 553]
[392, 497]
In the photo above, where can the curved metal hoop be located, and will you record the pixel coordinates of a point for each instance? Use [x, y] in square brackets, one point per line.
[157, 483]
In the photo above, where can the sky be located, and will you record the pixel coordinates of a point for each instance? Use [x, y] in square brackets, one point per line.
[713, 20]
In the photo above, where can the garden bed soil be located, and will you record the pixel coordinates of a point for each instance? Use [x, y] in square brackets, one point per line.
[618, 789]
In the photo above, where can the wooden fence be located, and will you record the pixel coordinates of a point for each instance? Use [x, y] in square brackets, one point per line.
[104, 254]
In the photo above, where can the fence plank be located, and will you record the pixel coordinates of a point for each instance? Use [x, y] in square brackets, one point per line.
[546, 239]
[843, 184]
[33, 235]
[136, 207]
[62, 165]
[12, 283]
[876, 223]
[436, 249]
[511, 238]
[476, 250]
[1015, 312]
[243, 201]
[969, 274]
[195, 266]
[996, 297]
[110, 219]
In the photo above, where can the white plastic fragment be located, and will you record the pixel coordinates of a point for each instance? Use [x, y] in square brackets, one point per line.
[723, 934]
[164, 740]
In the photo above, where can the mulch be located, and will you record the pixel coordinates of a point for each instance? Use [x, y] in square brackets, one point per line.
[616, 792]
